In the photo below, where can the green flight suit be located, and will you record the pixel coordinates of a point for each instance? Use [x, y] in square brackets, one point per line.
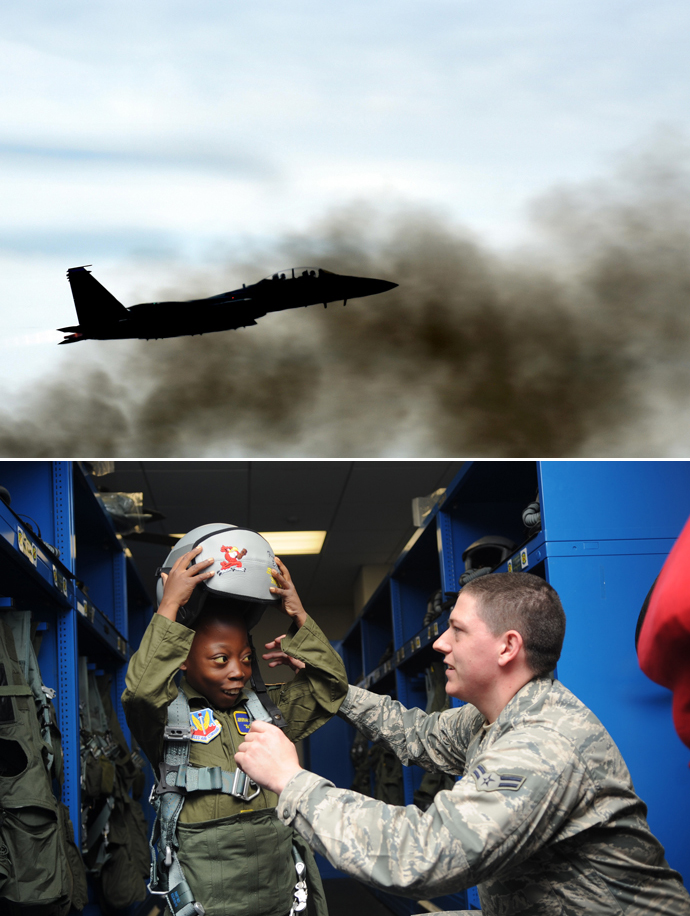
[236, 855]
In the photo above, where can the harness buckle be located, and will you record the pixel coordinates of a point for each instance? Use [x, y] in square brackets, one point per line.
[177, 733]
[164, 784]
[242, 784]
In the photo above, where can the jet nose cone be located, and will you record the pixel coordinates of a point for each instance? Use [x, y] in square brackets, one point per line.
[381, 286]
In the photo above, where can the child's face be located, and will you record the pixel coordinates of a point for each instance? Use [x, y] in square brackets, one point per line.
[219, 663]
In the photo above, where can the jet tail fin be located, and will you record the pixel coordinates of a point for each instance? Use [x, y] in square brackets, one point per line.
[94, 304]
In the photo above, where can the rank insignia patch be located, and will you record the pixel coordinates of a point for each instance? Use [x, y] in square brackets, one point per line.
[488, 782]
[204, 726]
[242, 721]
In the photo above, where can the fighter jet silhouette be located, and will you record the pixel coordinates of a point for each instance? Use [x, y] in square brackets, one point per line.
[102, 317]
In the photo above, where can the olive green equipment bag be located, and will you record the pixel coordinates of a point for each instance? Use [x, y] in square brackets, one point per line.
[359, 755]
[113, 823]
[123, 876]
[388, 775]
[41, 871]
[380, 765]
[437, 701]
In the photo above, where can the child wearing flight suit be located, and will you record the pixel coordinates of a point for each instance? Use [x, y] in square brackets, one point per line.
[236, 855]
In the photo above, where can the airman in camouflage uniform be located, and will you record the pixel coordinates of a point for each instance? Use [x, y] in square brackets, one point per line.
[544, 820]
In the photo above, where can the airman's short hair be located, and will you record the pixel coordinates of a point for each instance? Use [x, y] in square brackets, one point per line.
[526, 603]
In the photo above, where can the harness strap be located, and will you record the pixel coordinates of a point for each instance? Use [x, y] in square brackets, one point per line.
[177, 737]
[16, 690]
[167, 877]
[255, 707]
[185, 779]
[102, 856]
[96, 828]
[274, 714]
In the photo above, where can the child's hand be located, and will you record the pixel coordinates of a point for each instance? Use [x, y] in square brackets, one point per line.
[279, 657]
[180, 582]
[292, 606]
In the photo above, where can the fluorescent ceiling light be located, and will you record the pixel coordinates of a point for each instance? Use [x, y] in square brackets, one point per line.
[294, 542]
[285, 543]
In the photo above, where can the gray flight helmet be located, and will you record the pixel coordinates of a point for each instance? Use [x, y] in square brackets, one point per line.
[484, 555]
[243, 563]
[242, 567]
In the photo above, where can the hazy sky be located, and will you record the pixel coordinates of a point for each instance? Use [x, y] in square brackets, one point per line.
[146, 138]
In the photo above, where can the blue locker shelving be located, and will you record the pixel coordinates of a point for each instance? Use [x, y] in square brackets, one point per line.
[61, 558]
[606, 529]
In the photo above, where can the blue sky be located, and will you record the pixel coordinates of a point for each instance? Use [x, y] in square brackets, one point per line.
[141, 137]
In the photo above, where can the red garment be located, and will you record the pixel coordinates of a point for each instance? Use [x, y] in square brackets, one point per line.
[663, 648]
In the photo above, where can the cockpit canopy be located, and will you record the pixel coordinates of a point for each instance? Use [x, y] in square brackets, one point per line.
[293, 273]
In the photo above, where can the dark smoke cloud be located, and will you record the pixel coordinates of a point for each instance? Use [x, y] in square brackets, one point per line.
[574, 345]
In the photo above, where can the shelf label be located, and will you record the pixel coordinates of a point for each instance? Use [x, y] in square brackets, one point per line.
[26, 546]
[86, 609]
[59, 581]
[523, 558]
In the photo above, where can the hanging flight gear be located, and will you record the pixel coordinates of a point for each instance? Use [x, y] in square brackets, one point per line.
[531, 517]
[113, 824]
[387, 774]
[436, 701]
[484, 555]
[359, 755]
[434, 608]
[97, 771]
[122, 880]
[177, 779]
[40, 866]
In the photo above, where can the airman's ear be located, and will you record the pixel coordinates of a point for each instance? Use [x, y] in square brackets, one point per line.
[183, 666]
[510, 647]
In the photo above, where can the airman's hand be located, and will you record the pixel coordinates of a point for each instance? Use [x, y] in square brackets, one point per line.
[268, 756]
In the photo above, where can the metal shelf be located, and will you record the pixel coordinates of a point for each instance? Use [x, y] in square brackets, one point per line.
[27, 571]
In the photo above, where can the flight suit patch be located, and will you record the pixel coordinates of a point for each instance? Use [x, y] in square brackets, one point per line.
[242, 721]
[489, 782]
[205, 727]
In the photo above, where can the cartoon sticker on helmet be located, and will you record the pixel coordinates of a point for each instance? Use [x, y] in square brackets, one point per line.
[205, 727]
[233, 560]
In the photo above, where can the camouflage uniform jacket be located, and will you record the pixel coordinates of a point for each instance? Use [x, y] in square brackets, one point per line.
[545, 821]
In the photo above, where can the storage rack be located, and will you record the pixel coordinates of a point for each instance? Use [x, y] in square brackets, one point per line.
[606, 529]
[61, 558]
